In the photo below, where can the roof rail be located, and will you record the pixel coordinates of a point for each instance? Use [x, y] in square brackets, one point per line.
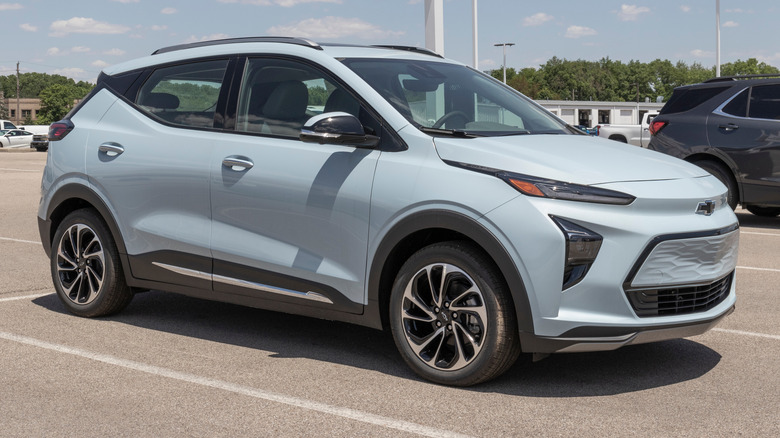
[265, 39]
[410, 49]
[734, 78]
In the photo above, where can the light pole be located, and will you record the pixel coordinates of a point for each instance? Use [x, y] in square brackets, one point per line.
[504, 44]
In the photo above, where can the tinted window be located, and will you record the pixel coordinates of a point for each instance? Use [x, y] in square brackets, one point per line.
[689, 98]
[279, 96]
[765, 102]
[184, 94]
[738, 105]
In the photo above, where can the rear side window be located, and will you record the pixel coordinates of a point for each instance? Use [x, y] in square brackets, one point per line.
[765, 102]
[689, 98]
[184, 95]
[738, 105]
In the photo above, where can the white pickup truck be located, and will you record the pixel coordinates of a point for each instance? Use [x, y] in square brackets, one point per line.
[637, 135]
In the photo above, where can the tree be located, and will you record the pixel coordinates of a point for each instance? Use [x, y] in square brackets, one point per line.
[748, 67]
[56, 101]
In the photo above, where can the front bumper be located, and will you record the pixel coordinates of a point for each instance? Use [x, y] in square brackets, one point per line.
[584, 339]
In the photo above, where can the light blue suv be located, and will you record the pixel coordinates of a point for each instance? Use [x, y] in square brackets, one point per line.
[383, 186]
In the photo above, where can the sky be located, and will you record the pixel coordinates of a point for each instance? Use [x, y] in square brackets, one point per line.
[79, 38]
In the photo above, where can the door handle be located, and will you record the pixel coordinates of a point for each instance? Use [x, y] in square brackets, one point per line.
[728, 128]
[111, 149]
[239, 164]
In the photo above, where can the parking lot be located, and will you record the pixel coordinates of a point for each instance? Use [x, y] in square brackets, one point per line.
[170, 365]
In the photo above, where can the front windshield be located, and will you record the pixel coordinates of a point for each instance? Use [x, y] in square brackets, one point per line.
[449, 97]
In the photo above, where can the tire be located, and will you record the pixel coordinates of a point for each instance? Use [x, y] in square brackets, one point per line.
[724, 175]
[619, 138]
[763, 211]
[85, 267]
[465, 336]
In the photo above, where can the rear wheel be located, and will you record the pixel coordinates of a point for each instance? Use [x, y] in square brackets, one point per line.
[451, 316]
[85, 267]
[763, 211]
[724, 175]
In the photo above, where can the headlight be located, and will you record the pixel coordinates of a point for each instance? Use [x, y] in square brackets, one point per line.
[545, 188]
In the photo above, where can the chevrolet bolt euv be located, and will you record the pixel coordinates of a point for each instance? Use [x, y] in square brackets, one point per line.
[383, 186]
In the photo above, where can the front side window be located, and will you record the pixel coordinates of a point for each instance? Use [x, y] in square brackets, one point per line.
[184, 95]
[278, 96]
[437, 96]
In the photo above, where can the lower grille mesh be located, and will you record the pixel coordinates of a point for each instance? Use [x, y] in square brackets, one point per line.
[680, 300]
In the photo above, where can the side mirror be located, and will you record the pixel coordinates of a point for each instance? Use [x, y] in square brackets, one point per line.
[338, 128]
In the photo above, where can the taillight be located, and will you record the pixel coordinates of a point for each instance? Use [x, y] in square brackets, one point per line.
[656, 126]
[58, 130]
[598, 128]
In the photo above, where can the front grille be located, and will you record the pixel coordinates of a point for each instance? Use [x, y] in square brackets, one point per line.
[680, 300]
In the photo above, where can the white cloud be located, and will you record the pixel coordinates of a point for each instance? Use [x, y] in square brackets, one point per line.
[730, 24]
[71, 72]
[579, 32]
[126, 1]
[159, 27]
[53, 51]
[10, 6]
[685, 8]
[735, 11]
[114, 52]
[537, 19]
[100, 64]
[631, 12]
[698, 53]
[214, 36]
[168, 11]
[28, 27]
[488, 64]
[332, 27]
[80, 49]
[85, 25]
[283, 3]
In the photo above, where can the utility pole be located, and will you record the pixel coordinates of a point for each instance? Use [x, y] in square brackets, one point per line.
[17, 94]
[717, 38]
[474, 31]
[504, 44]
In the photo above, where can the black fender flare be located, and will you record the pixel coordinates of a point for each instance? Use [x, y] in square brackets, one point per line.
[453, 222]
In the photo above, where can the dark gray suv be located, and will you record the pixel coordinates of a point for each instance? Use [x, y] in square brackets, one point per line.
[729, 126]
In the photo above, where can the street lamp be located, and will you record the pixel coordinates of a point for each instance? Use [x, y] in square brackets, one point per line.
[504, 44]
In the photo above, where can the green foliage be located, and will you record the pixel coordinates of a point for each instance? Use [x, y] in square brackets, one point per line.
[614, 81]
[193, 97]
[56, 101]
[32, 84]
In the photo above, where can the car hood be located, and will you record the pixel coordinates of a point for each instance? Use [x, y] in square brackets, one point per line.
[569, 158]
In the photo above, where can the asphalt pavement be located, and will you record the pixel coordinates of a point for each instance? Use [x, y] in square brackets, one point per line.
[171, 366]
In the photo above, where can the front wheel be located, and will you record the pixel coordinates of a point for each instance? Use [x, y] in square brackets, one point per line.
[85, 267]
[451, 316]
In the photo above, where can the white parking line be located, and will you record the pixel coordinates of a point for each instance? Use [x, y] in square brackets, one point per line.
[759, 234]
[19, 170]
[744, 333]
[34, 242]
[758, 269]
[23, 297]
[311, 405]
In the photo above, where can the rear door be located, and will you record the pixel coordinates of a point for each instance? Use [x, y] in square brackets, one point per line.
[150, 159]
[747, 129]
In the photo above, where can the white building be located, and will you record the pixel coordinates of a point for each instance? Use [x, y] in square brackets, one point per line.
[591, 113]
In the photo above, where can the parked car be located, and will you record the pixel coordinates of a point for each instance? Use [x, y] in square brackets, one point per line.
[40, 142]
[731, 127]
[16, 138]
[637, 135]
[403, 205]
[7, 125]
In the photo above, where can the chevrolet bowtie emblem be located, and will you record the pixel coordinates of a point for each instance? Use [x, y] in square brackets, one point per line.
[706, 208]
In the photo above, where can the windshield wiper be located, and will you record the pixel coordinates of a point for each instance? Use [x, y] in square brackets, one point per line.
[451, 132]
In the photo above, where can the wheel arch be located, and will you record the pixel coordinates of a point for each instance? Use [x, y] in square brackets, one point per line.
[73, 197]
[618, 137]
[425, 228]
[721, 161]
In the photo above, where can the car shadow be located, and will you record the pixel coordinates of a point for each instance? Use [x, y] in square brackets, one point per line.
[629, 369]
[748, 219]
